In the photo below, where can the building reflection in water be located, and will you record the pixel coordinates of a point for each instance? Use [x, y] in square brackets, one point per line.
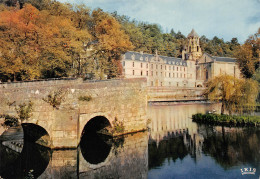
[174, 136]
[172, 123]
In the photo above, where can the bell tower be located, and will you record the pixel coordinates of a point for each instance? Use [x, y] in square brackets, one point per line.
[192, 50]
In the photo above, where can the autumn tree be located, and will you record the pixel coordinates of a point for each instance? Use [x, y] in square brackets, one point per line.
[245, 60]
[112, 42]
[38, 44]
[234, 94]
[248, 55]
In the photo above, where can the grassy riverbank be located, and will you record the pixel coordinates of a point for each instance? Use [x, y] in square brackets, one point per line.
[227, 120]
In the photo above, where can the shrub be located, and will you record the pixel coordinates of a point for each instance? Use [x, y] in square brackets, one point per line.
[24, 111]
[85, 98]
[9, 121]
[118, 126]
[55, 98]
[227, 119]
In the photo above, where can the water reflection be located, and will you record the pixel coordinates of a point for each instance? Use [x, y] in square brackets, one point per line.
[232, 146]
[128, 158]
[175, 147]
[179, 148]
[33, 158]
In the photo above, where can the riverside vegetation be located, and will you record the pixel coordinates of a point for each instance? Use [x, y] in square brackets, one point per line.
[227, 120]
[237, 96]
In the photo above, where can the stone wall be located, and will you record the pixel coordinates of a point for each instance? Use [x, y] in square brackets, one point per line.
[125, 100]
[174, 93]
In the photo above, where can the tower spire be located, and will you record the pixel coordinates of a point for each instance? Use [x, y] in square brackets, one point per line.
[193, 50]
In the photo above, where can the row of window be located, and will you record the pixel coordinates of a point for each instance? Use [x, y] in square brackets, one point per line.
[169, 67]
[178, 75]
[151, 66]
[161, 84]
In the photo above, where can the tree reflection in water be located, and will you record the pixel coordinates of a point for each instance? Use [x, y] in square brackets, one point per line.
[229, 147]
[232, 146]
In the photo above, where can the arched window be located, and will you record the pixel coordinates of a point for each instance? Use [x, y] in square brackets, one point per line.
[190, 49]
[197, 48]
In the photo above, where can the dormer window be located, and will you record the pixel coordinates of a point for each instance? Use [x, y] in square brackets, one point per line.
[133, 57]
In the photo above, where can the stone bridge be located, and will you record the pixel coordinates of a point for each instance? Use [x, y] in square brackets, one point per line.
[114, 104]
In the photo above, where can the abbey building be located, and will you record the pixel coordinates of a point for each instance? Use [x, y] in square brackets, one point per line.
[192, 70]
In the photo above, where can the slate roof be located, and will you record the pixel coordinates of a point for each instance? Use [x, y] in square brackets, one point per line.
[168, 60]
[193, 34]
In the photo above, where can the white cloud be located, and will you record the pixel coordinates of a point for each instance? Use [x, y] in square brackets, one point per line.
[222, 18]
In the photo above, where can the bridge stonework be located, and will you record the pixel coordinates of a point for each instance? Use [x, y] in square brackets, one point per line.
[124, 100]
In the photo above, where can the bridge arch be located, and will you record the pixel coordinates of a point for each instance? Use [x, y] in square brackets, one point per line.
[36, 134]
[95, 147]
[85, 118]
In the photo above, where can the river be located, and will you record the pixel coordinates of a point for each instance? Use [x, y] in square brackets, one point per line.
[173, 147]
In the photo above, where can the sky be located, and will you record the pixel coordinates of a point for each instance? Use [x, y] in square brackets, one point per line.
[222, 18]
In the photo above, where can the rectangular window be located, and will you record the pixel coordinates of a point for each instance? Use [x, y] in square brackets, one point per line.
[177, 68]
[133, 72]
[184, 68]
[156, 74]
[173, 68]
[165, 67]
[177, 75]
[169, 74]
[181, 75]
[156, 67]
[161, 73]
[151, 73]
[133, 64]
[123, 63]
[141, 65]
[169, 67]
[141, 73]
[151, 83]
[161, 67]
[146, 65]
[173, 75]
[151, 66]
[146, 73]
[184, 76]
[161, 84]
[169, 83]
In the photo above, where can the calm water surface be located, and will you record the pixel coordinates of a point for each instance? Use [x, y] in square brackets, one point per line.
[174, 147]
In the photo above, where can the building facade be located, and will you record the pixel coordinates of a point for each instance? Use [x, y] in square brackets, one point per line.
[192, 70]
